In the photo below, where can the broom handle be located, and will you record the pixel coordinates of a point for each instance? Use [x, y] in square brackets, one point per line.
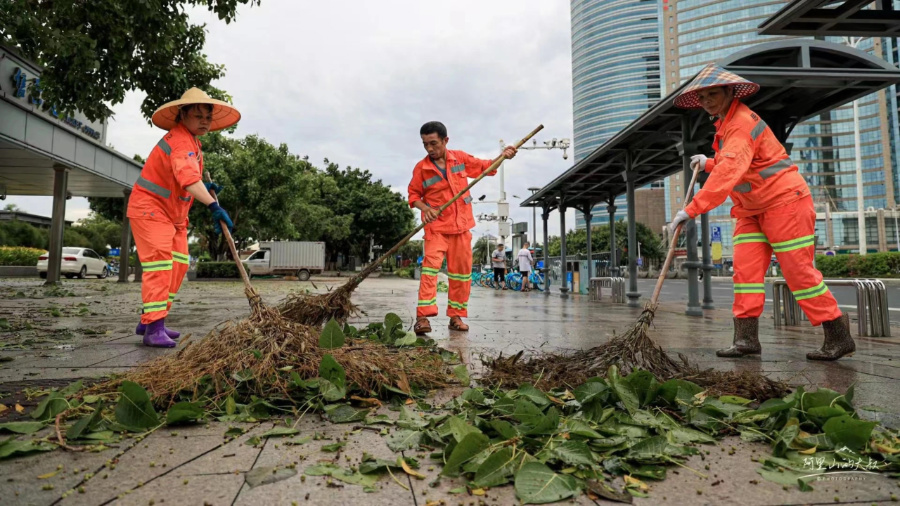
[230, 241]
[671, 255]
[493, 167]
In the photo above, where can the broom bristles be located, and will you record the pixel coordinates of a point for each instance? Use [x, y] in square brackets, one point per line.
[631, 351]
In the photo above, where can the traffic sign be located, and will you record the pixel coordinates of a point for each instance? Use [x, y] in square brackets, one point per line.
[716, 233]
[829, 253]
[114, 252]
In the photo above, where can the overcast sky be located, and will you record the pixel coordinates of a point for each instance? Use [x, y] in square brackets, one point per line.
[353, 81]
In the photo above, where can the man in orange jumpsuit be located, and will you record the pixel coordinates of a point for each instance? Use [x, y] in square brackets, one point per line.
[436, 179]
[160, 201]
[774, 211]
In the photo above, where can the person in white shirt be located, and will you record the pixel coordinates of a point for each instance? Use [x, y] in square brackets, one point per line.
[525, 262]
[498, 262]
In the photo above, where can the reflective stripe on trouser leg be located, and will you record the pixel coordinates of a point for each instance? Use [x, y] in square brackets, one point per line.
[459, 273]
[435, 249]
[791, 230]
[154, 247]
[180, 262]
[752, 255]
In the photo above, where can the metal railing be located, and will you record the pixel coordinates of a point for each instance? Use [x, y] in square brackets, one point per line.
[871, 305]
[615, 285]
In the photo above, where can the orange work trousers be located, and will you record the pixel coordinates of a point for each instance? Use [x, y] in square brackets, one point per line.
[789, 232]
[163, 252]
[457, 248]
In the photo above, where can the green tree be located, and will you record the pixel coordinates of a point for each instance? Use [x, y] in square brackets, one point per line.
[576, 242]
[103, 233]
[376, 211]
[482, 250]
[12, 208]
[94, 52]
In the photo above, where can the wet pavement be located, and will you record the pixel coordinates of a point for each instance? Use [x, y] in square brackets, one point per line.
[49, 337]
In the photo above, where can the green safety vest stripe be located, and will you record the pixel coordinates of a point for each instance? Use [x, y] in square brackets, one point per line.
[802, 242]
[809, 293]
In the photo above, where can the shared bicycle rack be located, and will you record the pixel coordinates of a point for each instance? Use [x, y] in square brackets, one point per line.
[871, 305]
[615, 285]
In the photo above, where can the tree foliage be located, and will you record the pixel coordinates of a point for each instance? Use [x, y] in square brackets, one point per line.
[95, 52]
[576, 242]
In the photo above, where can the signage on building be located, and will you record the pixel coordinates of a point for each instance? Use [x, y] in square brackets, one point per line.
[20, 81]
[520, 228]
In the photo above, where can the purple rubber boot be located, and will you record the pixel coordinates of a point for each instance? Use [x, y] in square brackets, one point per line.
[142, 329]
[156, 337]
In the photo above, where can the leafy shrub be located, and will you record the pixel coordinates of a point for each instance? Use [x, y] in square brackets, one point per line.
[19, 233]
[218, 270]
[873, 265]
[406, 272]
[17, 255]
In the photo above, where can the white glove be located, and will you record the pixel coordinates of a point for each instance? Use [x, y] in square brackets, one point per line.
[698, 160]
[680, 217]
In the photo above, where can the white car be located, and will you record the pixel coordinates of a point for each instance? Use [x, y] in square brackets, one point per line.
[80, 262]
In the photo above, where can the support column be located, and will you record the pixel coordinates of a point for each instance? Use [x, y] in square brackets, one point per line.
[690, 228]
[546, 217]
[634, 296]
[707, 262]
[613, 257]
[57, 224]
[125, 247]
[588, 216]
[564, 283]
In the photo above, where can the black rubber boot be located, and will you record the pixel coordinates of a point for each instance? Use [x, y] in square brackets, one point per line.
[746, 339]
[838, 342]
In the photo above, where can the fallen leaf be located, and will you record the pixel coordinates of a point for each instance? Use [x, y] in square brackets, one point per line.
[410, 401]
[48, 475]
[410, 471]
[367, 401]
[403, 383]
[433, 503]
[3, 408]
[808, 451]
[477, 491]
[634, 482]
[19, 408]
[885, 449]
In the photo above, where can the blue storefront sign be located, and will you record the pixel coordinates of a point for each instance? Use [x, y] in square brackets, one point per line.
[114, 252]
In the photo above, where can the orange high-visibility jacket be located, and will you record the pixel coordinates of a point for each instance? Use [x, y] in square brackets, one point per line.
[175, 163]
[750, 166]
[430, 186]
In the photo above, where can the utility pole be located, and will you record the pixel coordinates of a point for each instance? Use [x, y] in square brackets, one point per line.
[533, 190]
[857, 148]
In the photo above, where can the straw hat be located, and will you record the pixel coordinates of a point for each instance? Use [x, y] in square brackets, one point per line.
[710, 77]
[223, 115]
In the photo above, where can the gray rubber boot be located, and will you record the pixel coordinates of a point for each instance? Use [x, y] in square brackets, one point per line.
[746, 339]
[838, 342]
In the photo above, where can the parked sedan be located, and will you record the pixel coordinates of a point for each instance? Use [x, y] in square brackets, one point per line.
[80, 262]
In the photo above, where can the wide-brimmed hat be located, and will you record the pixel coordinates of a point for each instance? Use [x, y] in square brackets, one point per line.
[713, 76]
[223, 114]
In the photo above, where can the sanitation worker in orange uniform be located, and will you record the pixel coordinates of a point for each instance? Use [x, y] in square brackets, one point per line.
[437, 179]
[774, 211]
[160, 201]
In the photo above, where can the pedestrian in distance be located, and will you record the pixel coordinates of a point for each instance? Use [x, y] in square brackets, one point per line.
[526, 261]
[161, 198]
[436, 179]
[774, 211]
[498, 263]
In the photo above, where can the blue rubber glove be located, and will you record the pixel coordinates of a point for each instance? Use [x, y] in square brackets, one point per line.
[218, 216]
[210, 187]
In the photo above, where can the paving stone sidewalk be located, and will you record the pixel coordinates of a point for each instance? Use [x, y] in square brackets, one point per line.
[85, 330]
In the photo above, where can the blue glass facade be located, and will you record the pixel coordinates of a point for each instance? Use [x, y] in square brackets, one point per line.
[615, 67]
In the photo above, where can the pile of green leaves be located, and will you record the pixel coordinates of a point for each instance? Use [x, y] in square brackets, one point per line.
[555, 445]
[391, 332]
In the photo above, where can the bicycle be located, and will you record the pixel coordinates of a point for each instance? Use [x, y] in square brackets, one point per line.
[514, 281]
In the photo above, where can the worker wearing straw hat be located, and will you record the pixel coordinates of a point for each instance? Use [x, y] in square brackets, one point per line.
[774, 211]
[160, 201]
[436, 179]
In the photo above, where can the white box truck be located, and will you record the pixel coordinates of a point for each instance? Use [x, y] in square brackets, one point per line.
[294, 258]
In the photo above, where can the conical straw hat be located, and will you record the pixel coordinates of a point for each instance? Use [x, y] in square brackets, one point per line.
[710, 77]
[223, 115]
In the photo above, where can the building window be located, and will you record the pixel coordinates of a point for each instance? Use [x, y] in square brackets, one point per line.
[677, 200]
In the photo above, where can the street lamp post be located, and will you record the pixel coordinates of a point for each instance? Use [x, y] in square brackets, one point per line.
[534, 189]
[860, 197]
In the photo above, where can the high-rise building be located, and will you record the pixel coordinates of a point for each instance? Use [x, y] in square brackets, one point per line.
[694, 33]
[615, 73]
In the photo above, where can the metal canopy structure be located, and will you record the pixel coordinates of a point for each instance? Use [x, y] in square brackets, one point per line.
[798, 78]
[821, 18]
